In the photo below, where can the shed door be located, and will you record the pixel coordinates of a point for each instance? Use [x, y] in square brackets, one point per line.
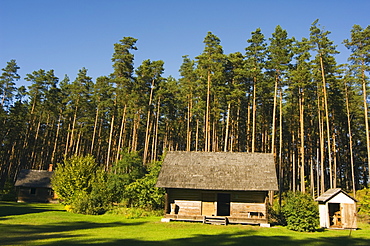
[349, 218]
[223, 204]
[208, 204]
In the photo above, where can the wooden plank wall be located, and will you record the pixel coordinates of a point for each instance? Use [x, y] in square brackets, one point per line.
[249, 204]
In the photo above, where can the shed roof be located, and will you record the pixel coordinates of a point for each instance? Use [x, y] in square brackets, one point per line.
[218, 171]
[34, 178]
[329, 194]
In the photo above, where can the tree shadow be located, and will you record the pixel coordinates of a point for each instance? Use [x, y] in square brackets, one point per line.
[12, 208]
[17, 234]
[245, 238]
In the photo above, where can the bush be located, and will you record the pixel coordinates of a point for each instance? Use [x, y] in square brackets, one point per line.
[82, 185]
[124, 172]
[8, 193]
[142, 193]
[134, 213]
[363, 196]
[301, 212]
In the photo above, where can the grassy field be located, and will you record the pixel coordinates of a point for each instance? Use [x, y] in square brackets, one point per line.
[49, 224]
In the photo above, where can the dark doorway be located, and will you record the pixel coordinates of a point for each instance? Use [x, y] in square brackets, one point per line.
[335, 215]
[223, 204]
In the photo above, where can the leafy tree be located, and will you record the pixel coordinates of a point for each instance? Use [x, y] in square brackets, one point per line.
[301, 212]
[128, 169]
[81, 183]
[364, 201]
[143, 193]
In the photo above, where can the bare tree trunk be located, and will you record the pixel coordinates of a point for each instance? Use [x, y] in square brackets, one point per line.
[147, 133]
[33, 154]
[135, 130]
[281, 142]
[123, 123]
[350, 144]
[301, 120]
[197, 136]
[227, 127]
[94, 131]
[207, 118]
[274, 117]
[294, 168]
[334, 162]
[67, 141]
[155, 137]
[322, 152]
[247, 135]
[326, 119]
[254, 116]
[188, 127]
[109, 143]
[366, 122]
[73, 128]
[56, 139]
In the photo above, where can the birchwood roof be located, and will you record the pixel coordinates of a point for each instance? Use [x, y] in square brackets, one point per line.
[34, 178]
[218, 171]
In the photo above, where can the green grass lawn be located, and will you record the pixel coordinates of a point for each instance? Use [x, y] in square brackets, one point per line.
[49, 224]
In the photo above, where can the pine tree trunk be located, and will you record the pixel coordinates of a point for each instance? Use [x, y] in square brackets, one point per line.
[350, 144]
[326, 119]
[123, 123]
[227, 127]
[155, 138]
[322, 151]
[366, 122]
[147, 131]
[254, 116]
[301, 120]
[273, 129]
[207, 118]
[294, 168]
[188, 127]
[281, 141]
[94, 131]
[109, 143]
[56, 139]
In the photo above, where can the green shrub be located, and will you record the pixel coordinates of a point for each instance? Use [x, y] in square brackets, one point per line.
[301, 212]
[142, 193]
[134, 213]
[8, 193]
[82, 185]
[363, 196]
[128, 169]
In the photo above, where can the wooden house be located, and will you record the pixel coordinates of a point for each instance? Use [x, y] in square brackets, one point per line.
[227, 187]
[34, 186]
[337, 209]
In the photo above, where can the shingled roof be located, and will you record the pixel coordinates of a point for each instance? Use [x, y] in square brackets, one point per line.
[329, 194]
[34, 178]
[218, 171]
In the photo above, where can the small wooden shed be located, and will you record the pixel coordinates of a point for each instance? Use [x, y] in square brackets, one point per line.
[337, 210]
[34, 186]
[227, 187]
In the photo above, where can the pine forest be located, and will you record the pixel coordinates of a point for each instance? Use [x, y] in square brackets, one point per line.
[280, 95]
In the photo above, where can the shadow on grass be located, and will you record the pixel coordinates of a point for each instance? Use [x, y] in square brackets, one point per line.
[58, 236]
[13, 208]
[245, 238]
[17, 234]
[76, 233]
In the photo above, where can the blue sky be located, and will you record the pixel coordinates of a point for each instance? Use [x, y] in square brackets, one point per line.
[68, 35]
